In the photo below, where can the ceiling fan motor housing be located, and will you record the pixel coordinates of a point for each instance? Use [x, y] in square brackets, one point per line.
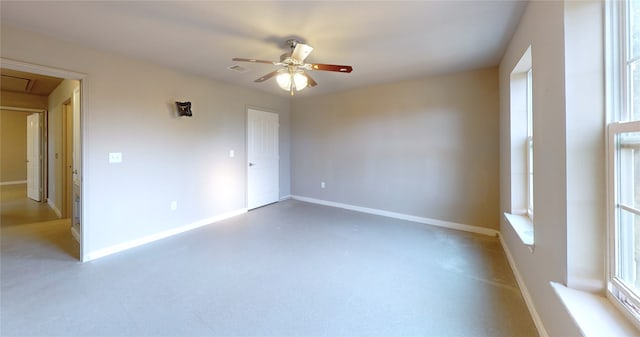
[286, 58]
[292, 43]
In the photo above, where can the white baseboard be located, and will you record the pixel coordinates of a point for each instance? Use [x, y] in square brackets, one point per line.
[17, 182]
[75, 234]
[286, 197]
[525, 292]
[401, 216]
[155, 237]
[54, 208]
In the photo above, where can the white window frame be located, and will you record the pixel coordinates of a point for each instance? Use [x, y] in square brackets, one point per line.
[623, 260]
[621, 236]
[529, 145]
[520, 216]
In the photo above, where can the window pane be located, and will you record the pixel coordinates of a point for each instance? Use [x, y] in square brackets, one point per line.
[629, 169]
[629, 249]
[634, 91]
[530, 175]
[636, 178]
[634, 28]
[628, 187]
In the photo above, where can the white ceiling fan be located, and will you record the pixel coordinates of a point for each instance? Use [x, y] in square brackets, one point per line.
[292, 76]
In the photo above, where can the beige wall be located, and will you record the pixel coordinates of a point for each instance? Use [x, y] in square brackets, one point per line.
[585, 104]
[20, 100]
[128, 107]
[13, 151]
[566, 43]
[426, 148]
[542, 28]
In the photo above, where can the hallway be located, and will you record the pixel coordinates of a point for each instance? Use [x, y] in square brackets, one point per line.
[34, 229]
[17, 209]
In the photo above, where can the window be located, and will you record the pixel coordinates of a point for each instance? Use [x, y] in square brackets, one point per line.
[623, 154]
[521, 129]
[624, 181]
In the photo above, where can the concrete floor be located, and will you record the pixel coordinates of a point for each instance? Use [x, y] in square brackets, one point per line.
[289, 269]
[17, 209]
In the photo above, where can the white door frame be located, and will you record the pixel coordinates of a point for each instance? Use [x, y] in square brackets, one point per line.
[84, 188]
[248, 164]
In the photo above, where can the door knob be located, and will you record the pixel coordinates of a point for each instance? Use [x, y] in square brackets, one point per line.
[252, 164]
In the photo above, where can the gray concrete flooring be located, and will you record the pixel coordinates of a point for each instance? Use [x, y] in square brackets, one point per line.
[288, 269]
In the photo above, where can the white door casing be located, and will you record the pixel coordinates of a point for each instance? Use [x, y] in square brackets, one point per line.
[33, 157]
[76, 137]
[77, 169]
[262, 158]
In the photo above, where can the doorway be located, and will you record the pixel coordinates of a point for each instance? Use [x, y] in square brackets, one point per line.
[262, 158]
[23, 171]
[61, 146]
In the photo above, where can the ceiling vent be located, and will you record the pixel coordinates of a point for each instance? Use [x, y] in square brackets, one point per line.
[238, 68]
[27, 83]
[16, 84]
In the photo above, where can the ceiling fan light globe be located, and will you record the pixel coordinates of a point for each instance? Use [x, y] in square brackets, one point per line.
[300, 81]
[284, 81]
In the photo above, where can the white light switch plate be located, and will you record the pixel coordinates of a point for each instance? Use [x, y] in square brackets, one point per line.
[115, 157]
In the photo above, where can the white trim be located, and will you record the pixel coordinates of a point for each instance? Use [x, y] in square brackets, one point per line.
[629, 209]
[54, 208]
[15, 108]
[594, 314]
[158, 236]
[15, 182]
[75, 234]
[39, 69]
[523, 226]
[286, 197]
[525, 292]
[622, 309]
[401, 216]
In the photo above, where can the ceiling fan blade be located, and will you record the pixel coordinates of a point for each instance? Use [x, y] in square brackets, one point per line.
[310, 81]
[252, 60]
[332, 67]
[301, 52]
[267, 76]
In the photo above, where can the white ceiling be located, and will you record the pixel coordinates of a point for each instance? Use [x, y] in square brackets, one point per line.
[384, 41]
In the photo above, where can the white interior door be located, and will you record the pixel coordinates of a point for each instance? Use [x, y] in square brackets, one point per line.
[262, 158]
[33, 156]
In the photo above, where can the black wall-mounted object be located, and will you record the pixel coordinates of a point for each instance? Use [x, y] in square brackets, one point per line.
[184, 109]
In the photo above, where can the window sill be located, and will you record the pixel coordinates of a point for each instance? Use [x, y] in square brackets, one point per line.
[594, 314]
[523, 226]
